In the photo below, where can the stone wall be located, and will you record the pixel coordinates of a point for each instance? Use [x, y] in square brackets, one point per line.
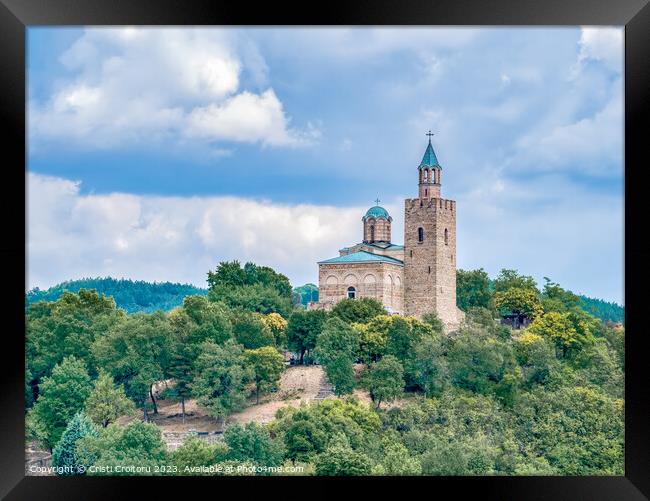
[376, 230]
[430, 264]
[381, 281]
[174, 439]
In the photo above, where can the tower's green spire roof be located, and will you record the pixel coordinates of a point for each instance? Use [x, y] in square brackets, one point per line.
[429, 159]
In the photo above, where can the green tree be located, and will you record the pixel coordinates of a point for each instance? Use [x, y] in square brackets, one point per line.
[337, 339]
[428, 369]
[251, 331]
[578, 430]
[107, 402]
[373, 338]
[62, 395]
[64, 454]
[518, 301]
[303, 330]
[511, 279]
[254, 298]
[267, 364]
[340, 374]
[66, 327]
[396, 460]
[203, 321]
[304, 437]
[123, 447]
[336, 348]
[339, 459]
[221, 378]
[478, 361]
[559, 328]
[384, 380]
[555, 298]
[29, 392]
[472, 289]
[181, 370]
[391, 335]
[195, 453]
[136, 352]
[196, 322]
[358, 310]
[230, 273]
[433, 320]
[252, 442]
[308, 430]
[536, 356]
[254, 288]
[278, 327]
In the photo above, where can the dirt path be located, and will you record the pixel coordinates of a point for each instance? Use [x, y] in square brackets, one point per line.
[297, 384]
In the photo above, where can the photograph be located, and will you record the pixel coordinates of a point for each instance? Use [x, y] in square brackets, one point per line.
[324, 251]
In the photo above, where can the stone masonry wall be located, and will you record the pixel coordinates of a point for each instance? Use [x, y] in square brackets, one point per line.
[381, 281]
[430, 265]
[381, 230]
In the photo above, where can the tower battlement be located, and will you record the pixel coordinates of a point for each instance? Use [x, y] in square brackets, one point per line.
[432, 203]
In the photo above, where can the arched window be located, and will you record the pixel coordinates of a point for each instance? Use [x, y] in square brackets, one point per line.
[352, 293]
[372, 233]
[420, 234]
[426, 175]
[446, 237]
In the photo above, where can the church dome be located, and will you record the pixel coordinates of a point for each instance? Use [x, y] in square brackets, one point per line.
[377, 212]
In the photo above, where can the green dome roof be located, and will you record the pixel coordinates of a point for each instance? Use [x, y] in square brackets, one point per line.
[377, 212]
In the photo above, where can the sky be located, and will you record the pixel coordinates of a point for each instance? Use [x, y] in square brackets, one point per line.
[156, 153]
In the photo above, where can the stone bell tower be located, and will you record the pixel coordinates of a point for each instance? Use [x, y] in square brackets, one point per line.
[430, 247]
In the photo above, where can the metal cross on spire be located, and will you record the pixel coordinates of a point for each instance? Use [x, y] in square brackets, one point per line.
[429, 134]
[377, 201]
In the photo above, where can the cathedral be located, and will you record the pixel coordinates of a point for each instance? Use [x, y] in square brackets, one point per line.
[413, 279]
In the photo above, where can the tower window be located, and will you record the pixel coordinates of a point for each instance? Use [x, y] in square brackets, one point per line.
[446, 237]
[420, 234]
[372, 233]
[426, 192]
[429, 269]
[352, 293]
[411, 253]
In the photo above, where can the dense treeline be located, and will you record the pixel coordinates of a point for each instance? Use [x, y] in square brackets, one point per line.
[481, 400]
[606, 311]
[147, 297]
[131, 296]
[475, 288]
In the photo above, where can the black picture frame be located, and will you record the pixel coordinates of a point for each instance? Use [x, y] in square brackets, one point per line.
[17, 15]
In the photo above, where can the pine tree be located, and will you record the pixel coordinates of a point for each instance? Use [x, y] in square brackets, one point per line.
[64, 454]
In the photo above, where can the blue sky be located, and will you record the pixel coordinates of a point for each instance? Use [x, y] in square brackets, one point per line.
[155, 153]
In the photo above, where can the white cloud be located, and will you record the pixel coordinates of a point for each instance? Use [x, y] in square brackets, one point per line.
[565, 232]
[592, 145]
[602, 44]
[72, 235]
[245, 117]
[134, 85]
